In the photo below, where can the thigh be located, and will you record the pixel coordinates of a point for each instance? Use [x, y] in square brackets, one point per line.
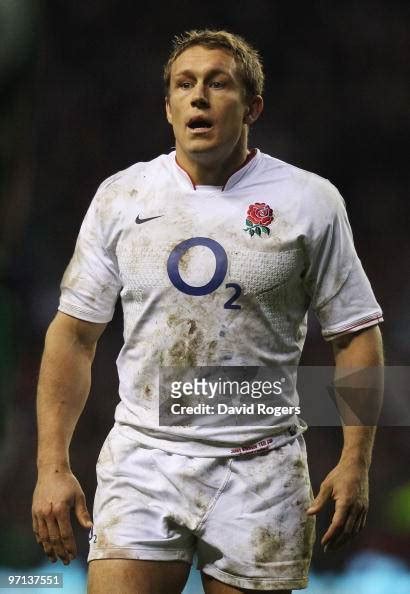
[130, 576]
[213, 586]
[258, 536]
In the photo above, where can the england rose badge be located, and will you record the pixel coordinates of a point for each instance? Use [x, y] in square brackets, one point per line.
[258, 217]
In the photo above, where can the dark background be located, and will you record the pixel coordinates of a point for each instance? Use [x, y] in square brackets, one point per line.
[81, 97]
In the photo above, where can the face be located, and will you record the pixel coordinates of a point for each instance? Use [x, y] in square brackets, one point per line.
[207, 105]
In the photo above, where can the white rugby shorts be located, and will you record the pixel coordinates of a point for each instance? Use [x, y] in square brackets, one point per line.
[244, 517]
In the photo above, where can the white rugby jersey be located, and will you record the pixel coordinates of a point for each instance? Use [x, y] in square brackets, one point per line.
[214, 276]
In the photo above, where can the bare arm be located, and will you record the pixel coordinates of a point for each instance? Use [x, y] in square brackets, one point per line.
[347, 483]
[63, 388]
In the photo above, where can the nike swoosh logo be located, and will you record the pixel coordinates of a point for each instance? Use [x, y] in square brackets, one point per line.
[139, 221]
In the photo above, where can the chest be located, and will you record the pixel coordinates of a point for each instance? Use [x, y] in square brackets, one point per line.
[197, 242]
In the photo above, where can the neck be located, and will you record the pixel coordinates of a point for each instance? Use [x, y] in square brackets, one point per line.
[211, 168]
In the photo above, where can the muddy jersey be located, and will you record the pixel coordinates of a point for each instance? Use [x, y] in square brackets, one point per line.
[214, 276]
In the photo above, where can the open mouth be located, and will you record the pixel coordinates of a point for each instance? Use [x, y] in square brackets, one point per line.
[199, 123]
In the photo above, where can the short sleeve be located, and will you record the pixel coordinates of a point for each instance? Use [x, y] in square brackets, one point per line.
[341, 295]
[91, 283]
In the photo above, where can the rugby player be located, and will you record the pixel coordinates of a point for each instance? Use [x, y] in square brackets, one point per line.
[217, 251]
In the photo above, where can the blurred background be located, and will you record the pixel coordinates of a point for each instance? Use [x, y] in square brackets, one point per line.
[81, 97]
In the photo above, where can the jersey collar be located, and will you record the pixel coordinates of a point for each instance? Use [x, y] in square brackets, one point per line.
[249, 163]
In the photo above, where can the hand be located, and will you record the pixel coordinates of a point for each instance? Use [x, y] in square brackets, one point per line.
[348, 485]
[56, 493]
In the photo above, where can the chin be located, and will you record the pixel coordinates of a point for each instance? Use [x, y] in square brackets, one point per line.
[201, 148]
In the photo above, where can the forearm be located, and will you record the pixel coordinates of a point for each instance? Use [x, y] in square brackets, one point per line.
[63, 388]
[359, 379]
[363, 355]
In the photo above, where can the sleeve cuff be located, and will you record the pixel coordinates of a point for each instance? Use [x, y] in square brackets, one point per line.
[83, 314]
[354, 326]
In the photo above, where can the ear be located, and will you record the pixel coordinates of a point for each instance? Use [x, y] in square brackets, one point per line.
[253, 110]
[168, 110]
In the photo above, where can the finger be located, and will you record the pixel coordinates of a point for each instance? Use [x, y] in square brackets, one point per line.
[357, 524]
[362, 521]
[337, 524]
[45, 539]
[339, 542]
[81, 512]
[55, 539]
[320, 500]
[36, 529]
[66, 533]
[351, 520]
[348, 529]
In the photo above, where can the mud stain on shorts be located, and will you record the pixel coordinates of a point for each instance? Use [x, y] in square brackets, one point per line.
[304, 541]
[266, 543]
[201, 503]
[103, 533]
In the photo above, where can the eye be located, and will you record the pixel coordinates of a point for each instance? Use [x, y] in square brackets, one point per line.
[217, 84]
[184, 84]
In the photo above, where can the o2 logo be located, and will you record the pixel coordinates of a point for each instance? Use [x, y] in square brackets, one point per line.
[219, 275]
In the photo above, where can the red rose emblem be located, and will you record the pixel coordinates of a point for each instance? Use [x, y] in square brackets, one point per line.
[258, 217]
[260, 213]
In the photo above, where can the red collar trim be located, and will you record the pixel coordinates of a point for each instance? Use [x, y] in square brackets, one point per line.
[186, 173]
[249, 158]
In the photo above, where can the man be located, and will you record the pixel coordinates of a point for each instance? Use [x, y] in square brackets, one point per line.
[217, 252]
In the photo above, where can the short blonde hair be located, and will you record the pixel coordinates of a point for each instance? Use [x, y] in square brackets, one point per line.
[246, 57]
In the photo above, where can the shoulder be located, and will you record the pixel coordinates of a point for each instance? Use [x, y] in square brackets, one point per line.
[119, 194]
[136, 175]
[307, 188]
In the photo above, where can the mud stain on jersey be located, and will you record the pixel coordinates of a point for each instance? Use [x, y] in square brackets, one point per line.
[178, 354]
[104, 205]
[299, 463]
[71, 277]
[184, 352]
[194, 346]
[183, 264]
[212, 347]
[147, 392]
[105, 288]
[266, 543]
[173, 320]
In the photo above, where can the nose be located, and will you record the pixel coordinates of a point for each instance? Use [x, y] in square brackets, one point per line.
[199, 98]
